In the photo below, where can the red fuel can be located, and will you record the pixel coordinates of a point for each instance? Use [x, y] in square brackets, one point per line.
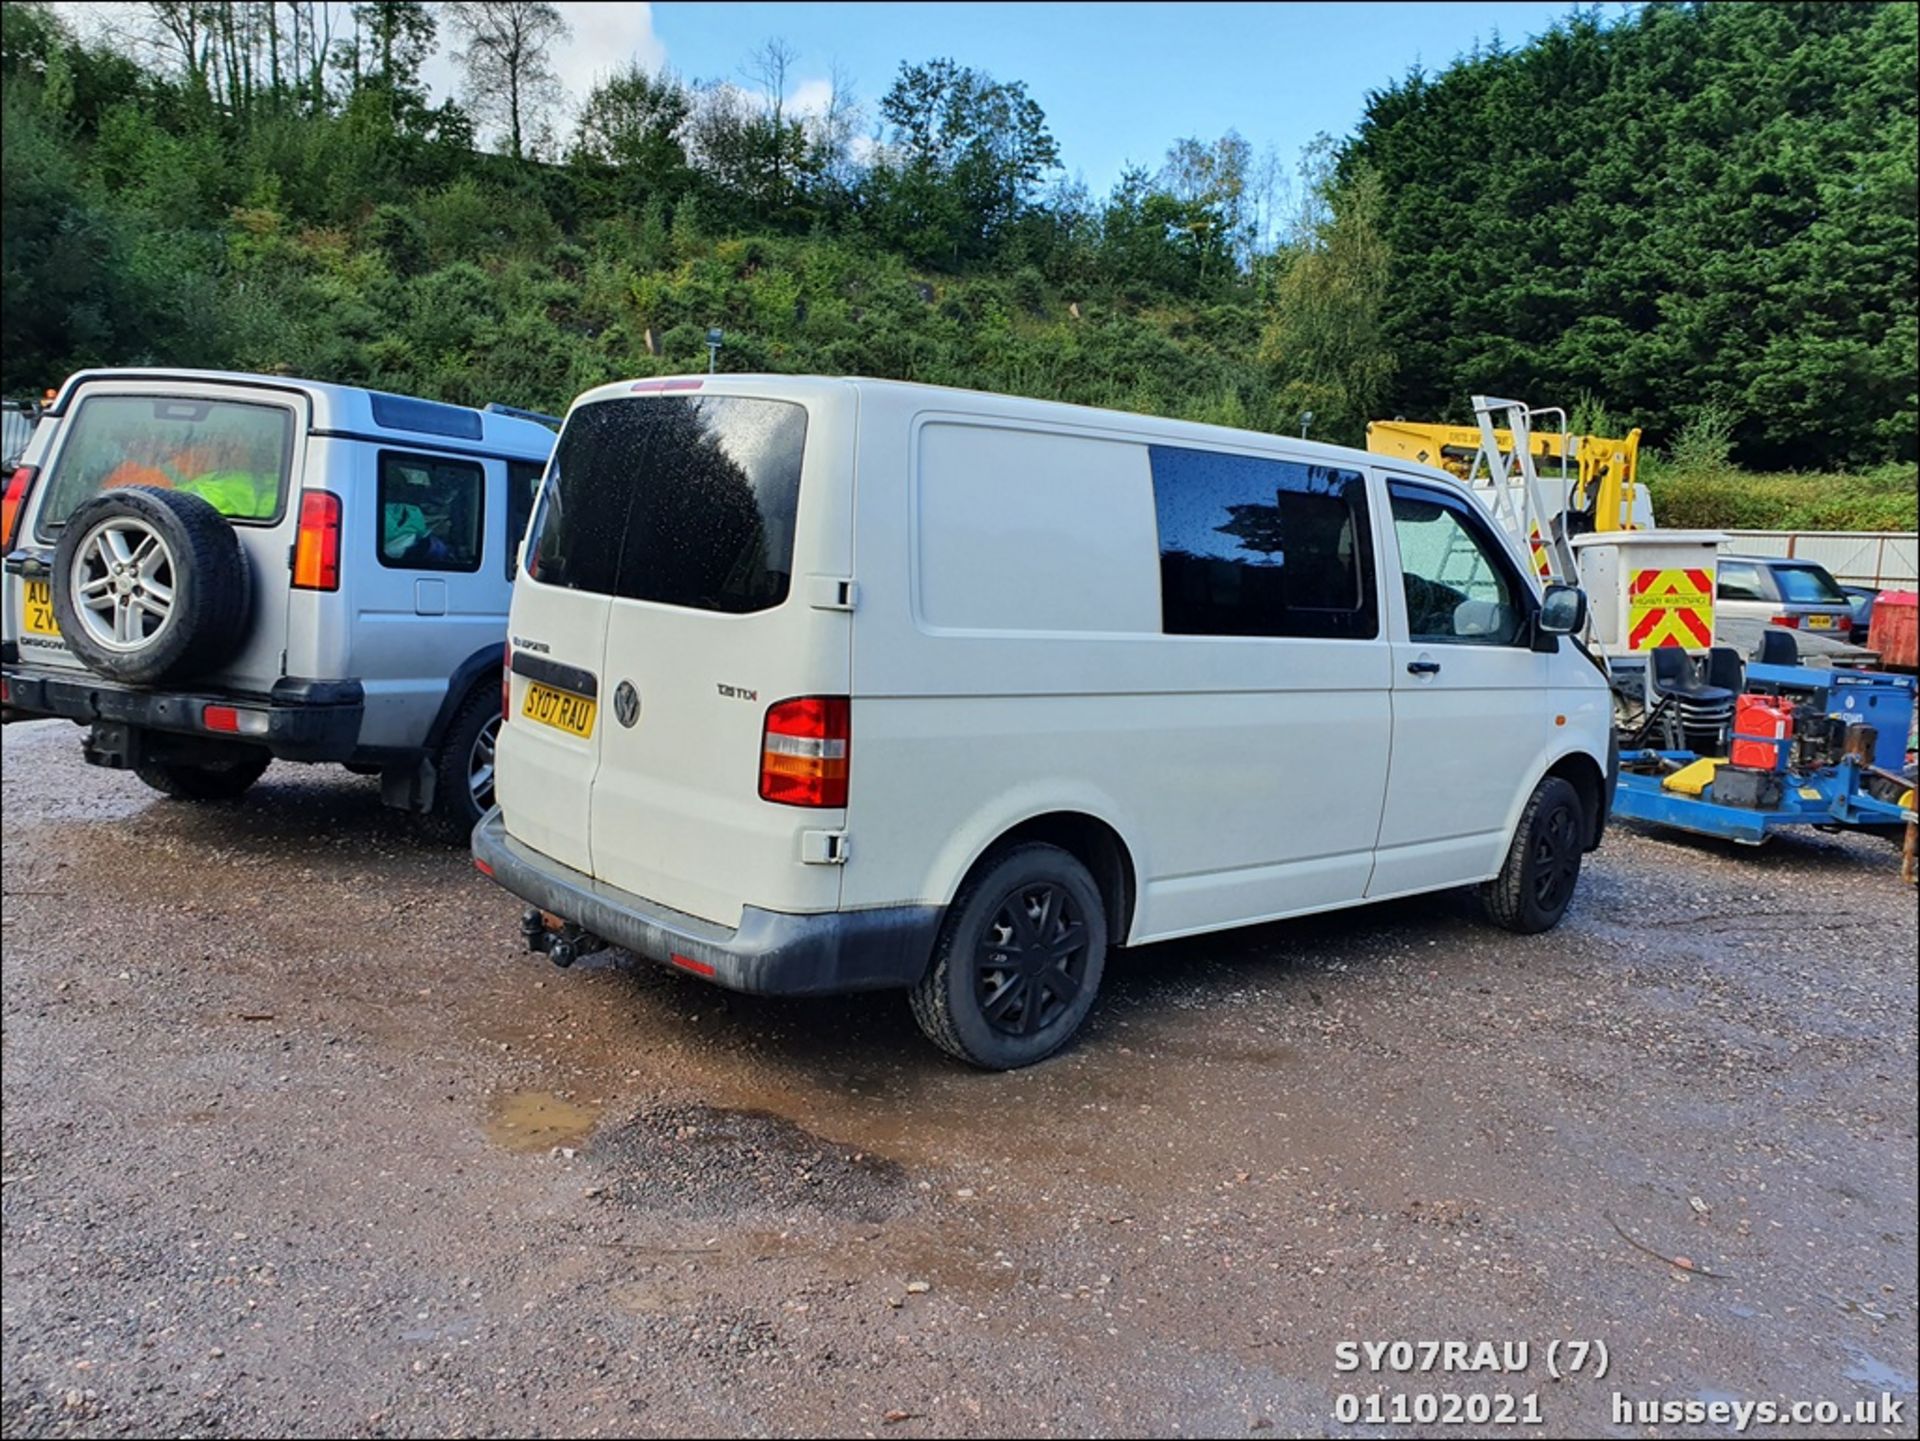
[1760, 723]
[1892, 631]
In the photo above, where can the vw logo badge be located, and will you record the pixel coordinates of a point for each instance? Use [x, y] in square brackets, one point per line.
[626, 703]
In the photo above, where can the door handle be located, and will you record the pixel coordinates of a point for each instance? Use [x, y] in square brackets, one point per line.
[1423, 667]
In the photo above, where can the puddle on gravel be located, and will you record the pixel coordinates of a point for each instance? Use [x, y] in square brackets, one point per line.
[700, 1160]
[1869, 1370]
[529, 1121]
[666, 1295]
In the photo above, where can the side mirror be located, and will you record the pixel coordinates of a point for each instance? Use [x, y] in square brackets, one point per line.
[1563, 610]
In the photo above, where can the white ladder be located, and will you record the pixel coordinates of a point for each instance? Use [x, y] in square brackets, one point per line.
[1513, 484]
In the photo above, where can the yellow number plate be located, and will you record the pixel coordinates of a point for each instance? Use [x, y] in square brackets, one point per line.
[1820, 622]
[36, 611]
[563, 710]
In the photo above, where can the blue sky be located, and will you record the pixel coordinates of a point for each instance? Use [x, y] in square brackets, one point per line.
[1119, 82]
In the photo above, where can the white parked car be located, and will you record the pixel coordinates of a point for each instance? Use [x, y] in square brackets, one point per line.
[821, 685]
[210, 570]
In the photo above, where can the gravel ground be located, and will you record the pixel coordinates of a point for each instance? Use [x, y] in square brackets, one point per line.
[298, 1140]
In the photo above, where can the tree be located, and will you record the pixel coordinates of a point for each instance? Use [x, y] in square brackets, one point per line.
[1326, 343]
[1690, 205]
[632, 121]
[1211, 183]
[967, 154]
[509, 77]
[399, 38]
[771, 65]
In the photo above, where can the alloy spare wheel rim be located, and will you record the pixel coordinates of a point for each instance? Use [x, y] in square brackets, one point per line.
[1031, 963]
[123, 584]
[480, 764]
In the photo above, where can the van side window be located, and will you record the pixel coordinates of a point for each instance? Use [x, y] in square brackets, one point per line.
[1461, 589]
[1258, 547]
[1739, 582]
[430, 512]
[523, 484]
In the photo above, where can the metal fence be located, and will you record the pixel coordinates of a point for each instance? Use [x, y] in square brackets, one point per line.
[1885, 558]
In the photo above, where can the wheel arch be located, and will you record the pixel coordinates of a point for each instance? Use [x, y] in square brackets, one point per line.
[1589, 782]
[482, 666]
[1089, 839]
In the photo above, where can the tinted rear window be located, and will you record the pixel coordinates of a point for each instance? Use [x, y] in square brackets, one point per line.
[1807, 585]
[681, 500]
[229, 453]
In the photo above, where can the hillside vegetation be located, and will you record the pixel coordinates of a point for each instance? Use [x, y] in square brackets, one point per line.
[1704, 214]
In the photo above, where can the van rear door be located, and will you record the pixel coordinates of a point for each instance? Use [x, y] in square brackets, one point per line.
[235, 446]
[712, 523]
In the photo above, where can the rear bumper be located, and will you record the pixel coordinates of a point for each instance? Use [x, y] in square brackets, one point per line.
[771, 953]
[304, 720]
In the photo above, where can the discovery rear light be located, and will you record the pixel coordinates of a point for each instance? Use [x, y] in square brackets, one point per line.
[19, 486]
[234, 720]
[1791, 622]
[316, 550]
[657, 387]
[805, 751]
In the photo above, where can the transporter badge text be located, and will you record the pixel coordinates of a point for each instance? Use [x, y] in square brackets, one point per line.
[737, 692]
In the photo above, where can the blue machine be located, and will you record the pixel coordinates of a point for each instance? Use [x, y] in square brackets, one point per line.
[1834, 791]
[1831, 796]
[1885, 702]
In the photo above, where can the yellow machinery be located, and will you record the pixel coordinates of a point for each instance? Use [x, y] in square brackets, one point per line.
[1573, 502]
[1599, 471]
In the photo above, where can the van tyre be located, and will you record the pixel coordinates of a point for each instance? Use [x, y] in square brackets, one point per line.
[1018, 960]
[225, 781]
[150, 585]
[463, 779]
[1533, 888]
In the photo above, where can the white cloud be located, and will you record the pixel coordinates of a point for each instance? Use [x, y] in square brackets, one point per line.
[810, 98]
[605, 37]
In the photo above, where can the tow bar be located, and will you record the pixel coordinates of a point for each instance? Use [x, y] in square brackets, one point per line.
[562, 941]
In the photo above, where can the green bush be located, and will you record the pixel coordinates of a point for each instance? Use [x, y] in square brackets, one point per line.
[1885, 498]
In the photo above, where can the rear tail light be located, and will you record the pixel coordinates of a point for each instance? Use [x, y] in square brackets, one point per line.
[19, 485]
[805, 750]
[506, 683]
[1791, 622]
[316, 551]
[234, 720]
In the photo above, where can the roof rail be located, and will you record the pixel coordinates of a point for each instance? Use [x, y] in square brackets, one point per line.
[552, 422]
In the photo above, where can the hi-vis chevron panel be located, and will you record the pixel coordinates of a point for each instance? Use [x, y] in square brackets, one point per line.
[1670, 607]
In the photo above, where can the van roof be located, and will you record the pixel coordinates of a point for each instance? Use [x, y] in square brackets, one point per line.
[352, 410]
[1022, 407]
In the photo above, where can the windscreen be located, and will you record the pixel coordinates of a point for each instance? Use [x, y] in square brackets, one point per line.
[231, 454]
[1808, 585]
[680, 500]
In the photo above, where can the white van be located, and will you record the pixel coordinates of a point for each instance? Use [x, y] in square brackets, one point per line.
[820, 685]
